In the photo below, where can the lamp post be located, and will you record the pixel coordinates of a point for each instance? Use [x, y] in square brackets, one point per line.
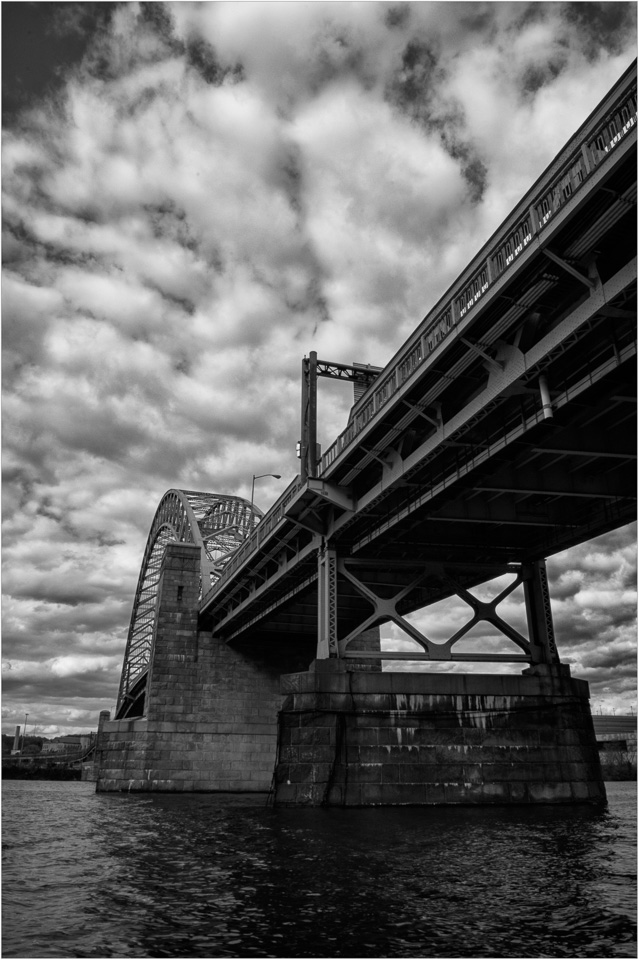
[259, 476]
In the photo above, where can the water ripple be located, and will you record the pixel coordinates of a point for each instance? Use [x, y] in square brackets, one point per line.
[89, 875]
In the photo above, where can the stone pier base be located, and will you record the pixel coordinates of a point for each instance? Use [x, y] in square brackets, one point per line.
[210, 720]
[364, 739]
[188, 756]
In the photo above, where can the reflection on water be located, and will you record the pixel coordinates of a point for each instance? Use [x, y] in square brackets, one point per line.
[89, 875]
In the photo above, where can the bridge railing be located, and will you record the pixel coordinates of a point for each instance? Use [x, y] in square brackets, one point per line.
[584, 154]
[257, 536]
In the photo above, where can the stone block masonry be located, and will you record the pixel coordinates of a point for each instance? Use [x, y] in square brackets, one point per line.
[345, 736]
[211, 710]
[361, 739]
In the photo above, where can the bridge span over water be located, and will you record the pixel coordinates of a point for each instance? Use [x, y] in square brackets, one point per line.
[502, 431]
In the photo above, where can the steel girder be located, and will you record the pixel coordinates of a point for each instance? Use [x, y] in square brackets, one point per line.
[326, 509]
[218, 524]
[539, 647]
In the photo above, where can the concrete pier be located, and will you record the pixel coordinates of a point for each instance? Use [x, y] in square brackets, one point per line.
[254, 717]
[361, 739]
[211, 710]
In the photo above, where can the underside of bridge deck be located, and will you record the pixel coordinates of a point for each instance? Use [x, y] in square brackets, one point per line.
[516, 441]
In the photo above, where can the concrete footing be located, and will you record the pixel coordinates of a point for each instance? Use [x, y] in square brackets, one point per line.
[362, 739]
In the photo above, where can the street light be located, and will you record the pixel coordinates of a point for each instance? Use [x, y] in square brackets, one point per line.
[259, 477]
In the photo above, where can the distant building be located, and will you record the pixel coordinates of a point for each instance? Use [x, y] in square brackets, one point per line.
[54, 746]
[611, 728]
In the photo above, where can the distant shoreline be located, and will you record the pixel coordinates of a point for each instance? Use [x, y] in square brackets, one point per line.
[29, 771]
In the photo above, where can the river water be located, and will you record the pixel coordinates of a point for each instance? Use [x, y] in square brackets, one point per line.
[111, 875]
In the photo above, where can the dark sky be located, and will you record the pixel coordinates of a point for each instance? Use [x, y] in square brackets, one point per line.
[40, 41]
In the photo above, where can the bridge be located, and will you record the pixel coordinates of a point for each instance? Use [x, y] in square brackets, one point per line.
[501, 432]
[72, 760]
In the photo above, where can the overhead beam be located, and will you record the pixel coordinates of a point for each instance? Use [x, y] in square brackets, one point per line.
[332, 493]
[356, 373]
[555, 482]
[581, 444]
[476, 349]
[568, 268]
[548, 492]
[464, 657]
[464, 517]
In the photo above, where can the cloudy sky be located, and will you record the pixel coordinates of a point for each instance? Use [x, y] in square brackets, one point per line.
[194, 197]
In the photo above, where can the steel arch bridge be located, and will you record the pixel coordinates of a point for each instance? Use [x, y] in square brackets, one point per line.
[501, 432]
[215, 522]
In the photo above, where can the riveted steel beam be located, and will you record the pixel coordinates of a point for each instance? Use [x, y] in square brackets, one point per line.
[384, 609]
[568, 268]
[538, 612]
[327, 609]
[493, 395]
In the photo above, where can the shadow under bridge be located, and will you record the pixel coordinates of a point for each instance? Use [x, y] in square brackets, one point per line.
[503, 431]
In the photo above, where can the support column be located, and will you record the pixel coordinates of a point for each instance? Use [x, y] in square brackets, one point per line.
[308, 441]
[539, 613]
[327, 602]
[174, 660]
[210, 721]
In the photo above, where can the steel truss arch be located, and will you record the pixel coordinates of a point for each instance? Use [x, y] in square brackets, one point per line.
[218, 524]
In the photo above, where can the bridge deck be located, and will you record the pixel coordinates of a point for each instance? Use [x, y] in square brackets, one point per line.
[501, 432]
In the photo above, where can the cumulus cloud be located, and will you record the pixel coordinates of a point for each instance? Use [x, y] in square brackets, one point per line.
[208, 193]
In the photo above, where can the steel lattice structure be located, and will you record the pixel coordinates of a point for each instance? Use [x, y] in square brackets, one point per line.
[218, 524]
